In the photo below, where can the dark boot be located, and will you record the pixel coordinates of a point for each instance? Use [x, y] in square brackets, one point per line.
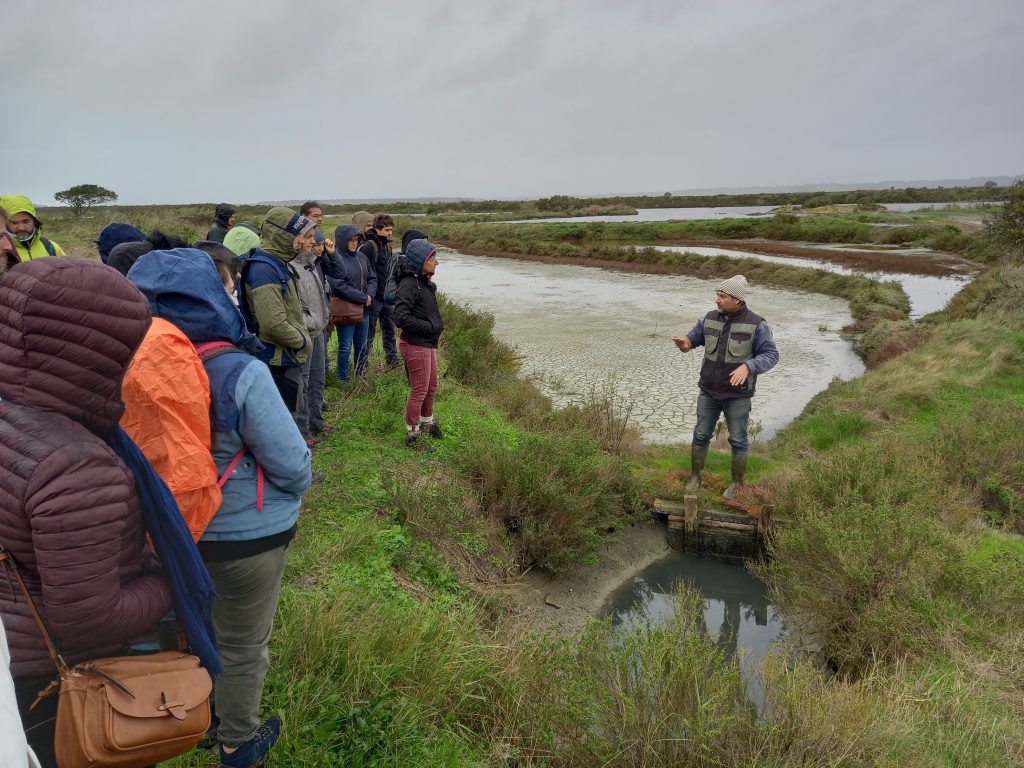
[412, 440]
[698, 456]
[739, 469]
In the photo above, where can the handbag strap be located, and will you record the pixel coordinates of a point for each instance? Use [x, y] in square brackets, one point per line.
[58, 660]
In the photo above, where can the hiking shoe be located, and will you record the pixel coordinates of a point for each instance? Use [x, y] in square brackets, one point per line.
[256, 750]
[318, 477]
[412, 440]
[434, 430]
[311, 441]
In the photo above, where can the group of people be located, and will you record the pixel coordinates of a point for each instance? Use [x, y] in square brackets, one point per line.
[201, 356]
[211, 359]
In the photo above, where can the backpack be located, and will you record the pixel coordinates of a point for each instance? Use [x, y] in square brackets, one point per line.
[391, 286]
[48, 246]
[207, 351]
[255, 256]
[174, 433]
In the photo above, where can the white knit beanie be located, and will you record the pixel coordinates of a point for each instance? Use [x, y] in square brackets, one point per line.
[735, 286]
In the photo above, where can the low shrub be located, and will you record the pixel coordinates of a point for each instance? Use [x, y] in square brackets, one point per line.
[865, 549]
[887, 339]
[472, 354]
[554, 493]
[981, 453]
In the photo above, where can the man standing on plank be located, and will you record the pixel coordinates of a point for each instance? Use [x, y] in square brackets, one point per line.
[738, 347]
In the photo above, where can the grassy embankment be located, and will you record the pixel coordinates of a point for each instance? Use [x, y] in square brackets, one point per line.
[391, 647]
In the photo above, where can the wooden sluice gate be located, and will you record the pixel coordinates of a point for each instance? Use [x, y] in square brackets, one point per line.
[716, 529]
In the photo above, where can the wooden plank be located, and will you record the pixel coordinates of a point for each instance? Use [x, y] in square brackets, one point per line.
[706, 523]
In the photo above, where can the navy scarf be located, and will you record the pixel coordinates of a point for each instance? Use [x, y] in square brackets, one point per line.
[193, 590]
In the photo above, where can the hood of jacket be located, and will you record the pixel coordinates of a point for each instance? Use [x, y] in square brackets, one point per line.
[19, 204]
[222, 213]
[241, 239]
[113, 235]
[183, 287]
[279, 231]
[362, 220]
[342, 234]
[68, 330]
[410, 235]
[417, 252]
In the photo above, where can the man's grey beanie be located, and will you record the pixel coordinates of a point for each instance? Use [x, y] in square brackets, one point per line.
[735, 286]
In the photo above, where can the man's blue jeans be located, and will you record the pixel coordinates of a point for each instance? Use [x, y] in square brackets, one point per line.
[737, 414]
[349, 336]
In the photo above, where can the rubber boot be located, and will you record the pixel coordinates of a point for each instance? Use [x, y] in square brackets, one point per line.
[739, 469]
[698, 456]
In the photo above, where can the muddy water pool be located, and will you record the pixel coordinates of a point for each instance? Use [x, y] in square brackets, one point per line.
[584, 329]
[737, 613]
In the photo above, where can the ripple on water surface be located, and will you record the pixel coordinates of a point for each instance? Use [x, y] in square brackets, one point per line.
[580, 328]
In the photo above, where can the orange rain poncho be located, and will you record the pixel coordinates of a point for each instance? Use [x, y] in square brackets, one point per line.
[167, 413]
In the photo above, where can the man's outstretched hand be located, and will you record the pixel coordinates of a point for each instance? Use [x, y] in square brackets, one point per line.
[683, 342]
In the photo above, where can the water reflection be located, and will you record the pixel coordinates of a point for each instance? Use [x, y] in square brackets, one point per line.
[737, 613]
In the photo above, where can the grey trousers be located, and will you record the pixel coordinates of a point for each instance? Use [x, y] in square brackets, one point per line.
[311, 417]
[243, 616]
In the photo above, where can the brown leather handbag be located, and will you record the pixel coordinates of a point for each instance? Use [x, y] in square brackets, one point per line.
[345, 312]
[125, 711]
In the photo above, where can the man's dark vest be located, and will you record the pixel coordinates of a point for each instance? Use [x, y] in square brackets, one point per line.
[728, 342]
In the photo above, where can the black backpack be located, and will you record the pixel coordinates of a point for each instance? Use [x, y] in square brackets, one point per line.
[391, 286]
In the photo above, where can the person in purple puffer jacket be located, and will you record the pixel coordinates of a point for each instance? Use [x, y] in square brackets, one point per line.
[69, 511]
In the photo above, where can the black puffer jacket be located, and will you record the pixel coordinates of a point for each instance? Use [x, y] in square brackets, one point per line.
[220, 224]
[416, 310]
[378, 251]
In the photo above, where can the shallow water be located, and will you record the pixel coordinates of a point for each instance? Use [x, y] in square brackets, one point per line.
[927, 293]
[584, 328]
[737, 613]
[935, 206]
[670, 214]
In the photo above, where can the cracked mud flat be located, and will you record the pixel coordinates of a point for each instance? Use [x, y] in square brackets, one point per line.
[583, 329]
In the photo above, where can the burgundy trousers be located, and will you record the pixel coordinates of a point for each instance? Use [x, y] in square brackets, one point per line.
[421, 368]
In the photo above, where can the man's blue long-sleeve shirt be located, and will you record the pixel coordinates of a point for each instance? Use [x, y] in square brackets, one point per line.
[766, 354]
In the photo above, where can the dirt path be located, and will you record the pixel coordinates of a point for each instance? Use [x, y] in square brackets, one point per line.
[579, 594]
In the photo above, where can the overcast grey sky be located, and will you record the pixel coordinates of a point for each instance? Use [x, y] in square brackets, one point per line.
[245, 101]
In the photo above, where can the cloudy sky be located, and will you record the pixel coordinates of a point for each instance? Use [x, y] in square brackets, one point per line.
[253, 100]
